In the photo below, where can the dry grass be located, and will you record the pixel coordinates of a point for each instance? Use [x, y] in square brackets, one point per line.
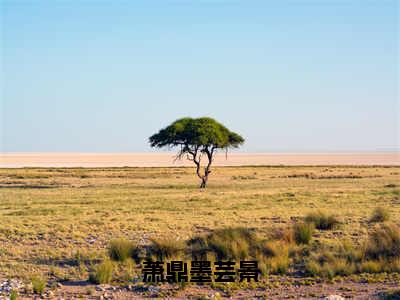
[121, 249]
[322, 220]
[102, 273]
[384, 242]
[38, 284]
[380, 214]
[48, 215]
[303, 232]
[166, 248]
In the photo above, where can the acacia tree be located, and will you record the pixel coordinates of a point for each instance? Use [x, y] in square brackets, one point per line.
[196, 139]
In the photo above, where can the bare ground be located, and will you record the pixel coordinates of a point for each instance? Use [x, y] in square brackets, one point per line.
[166, 159]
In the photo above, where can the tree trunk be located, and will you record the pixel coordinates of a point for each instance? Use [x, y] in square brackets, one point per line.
[204, 182]
[207, 169]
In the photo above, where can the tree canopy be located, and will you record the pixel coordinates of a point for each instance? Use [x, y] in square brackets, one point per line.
[197, 137]
[202, 132]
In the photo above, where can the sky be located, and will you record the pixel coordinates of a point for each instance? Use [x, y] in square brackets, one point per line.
[289, 76]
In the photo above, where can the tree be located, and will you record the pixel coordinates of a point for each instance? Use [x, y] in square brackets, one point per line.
[197, 138]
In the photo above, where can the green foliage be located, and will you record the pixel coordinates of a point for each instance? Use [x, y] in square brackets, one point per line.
[196, 132]
[121, 249]
[13, 295]
[197, 137]
[322, 221]
[380, 214]
[38, 284]
[102, 273]
[303, 232]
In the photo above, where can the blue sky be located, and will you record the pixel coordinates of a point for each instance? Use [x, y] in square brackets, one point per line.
[102, 76]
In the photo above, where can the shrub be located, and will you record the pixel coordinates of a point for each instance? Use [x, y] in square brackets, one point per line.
[121, 249]
[165, 248]
[102, 273]
[322, 221]
[380, 214]
[38, 284]
[384, 242]
[303, 232]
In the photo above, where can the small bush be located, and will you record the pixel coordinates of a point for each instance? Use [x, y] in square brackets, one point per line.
[121, 249]
[303, 232]
[384, 242]
[380, 214]
[322, 221]
[102, 273]
[38, 284]
[166, 248]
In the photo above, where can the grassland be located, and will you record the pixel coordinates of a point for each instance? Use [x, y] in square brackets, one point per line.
[58, 222]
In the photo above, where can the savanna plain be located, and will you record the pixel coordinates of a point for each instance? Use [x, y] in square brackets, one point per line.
[314, 230]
